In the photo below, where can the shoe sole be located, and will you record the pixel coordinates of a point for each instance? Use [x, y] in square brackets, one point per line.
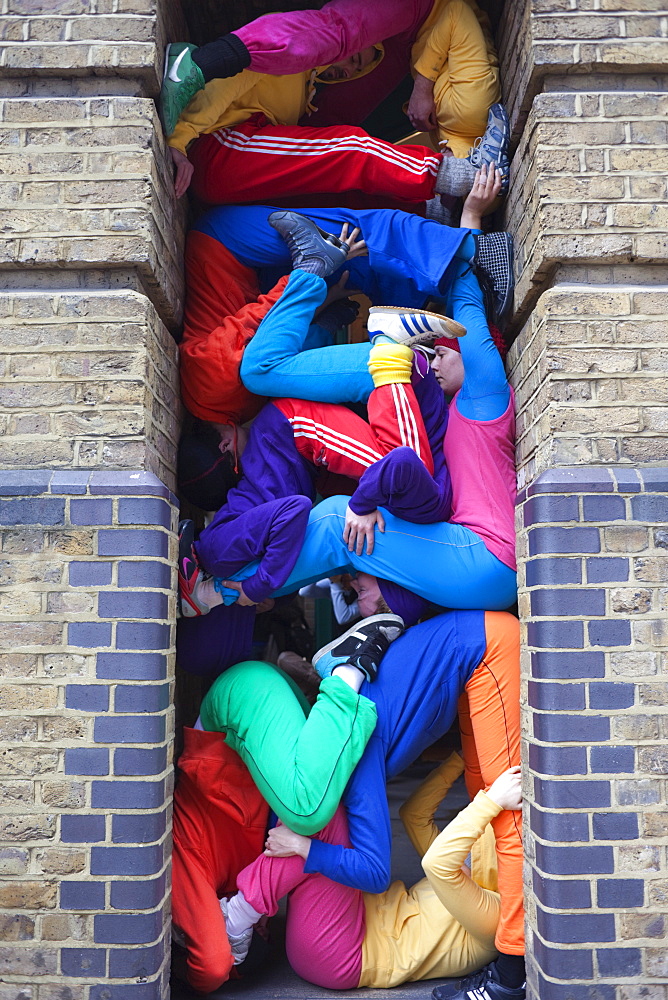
[455, 329]
[351, 631]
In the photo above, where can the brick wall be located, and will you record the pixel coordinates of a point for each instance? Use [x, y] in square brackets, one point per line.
[586, 86]
[595, 571]
[92, 291]
[86, 651]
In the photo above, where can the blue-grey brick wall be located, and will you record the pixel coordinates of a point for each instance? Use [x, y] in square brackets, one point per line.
[594, 597]
[86, 649]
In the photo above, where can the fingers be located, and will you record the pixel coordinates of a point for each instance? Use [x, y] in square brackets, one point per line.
[380, 521]
[343, 235]
[370, 540]
[232, 585]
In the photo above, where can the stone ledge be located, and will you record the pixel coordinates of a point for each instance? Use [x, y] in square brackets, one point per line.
[33, 482]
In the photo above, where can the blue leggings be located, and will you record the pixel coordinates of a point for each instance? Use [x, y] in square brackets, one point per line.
[275, 362]
[445, 563]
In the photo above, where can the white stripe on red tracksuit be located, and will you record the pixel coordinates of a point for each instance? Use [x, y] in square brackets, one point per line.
[340, 443]
[284, 146]
[405, 419]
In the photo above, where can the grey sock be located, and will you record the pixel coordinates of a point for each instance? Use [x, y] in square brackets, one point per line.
[455, 176]
[315, 266]
[436, 210]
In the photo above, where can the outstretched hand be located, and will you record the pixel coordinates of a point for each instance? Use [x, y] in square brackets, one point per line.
[360, 527]
[244, 601]
[480, 199]
[184, 171]
[356, 248]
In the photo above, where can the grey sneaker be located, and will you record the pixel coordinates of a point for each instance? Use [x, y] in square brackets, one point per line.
[311, 248]
[492, 264]
[181, 81]
[493, 146]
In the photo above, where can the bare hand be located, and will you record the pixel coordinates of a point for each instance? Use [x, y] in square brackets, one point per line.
[359, 527]
[356, 248]
[266, 605]
[421, 108]
[244, 601]
[284, 843]
[506, 791]
[184, 171]
[481, 197]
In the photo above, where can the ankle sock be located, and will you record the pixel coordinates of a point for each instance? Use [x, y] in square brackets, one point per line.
[350, 675]
[240, 915]
[510, 971]
[390, 363]
[226, 56]
[455, 177]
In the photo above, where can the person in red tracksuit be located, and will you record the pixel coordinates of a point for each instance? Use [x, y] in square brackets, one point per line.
[220, 822]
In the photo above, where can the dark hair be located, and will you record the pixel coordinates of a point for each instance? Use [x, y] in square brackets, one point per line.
[204, 474]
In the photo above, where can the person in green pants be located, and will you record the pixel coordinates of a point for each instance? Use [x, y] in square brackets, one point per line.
[254, 704]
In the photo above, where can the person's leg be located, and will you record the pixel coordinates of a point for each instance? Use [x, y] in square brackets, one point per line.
[301, 766]
[469, 82]
[472, 774]
[445, 563]
[325, 921]
[336, 438]
[494, 702]
[252, 162]
[274, 363]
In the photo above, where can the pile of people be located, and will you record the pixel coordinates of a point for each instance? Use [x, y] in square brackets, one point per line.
[298, 209]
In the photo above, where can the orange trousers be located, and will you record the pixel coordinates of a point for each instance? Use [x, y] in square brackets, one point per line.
[489, 720]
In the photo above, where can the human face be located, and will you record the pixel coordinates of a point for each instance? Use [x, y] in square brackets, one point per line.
[231, 434]
[448, 368]
[352, 66]
[368, 593]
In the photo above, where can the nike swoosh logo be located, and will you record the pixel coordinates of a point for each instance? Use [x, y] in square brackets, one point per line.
[173, 73]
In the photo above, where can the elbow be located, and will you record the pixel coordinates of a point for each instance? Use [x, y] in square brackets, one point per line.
[431, 864]
[378, 881]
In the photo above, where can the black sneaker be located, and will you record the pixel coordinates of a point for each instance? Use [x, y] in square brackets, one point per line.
[478, 986]
[362, 646]
[493, 146]
[311, 248]
[492, 264]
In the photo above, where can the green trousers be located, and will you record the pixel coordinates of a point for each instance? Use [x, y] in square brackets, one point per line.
[300, 760]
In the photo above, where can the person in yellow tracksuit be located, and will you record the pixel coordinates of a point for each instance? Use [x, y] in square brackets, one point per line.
[456, 73]
[444, 926]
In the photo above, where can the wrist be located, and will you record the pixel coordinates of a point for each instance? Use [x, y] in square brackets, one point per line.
[422, 84]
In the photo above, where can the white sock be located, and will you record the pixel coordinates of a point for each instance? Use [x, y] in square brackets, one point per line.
[350, 675]
[240, 915]
[207, 593]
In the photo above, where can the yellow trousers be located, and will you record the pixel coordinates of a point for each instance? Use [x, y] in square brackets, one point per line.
[452, 50]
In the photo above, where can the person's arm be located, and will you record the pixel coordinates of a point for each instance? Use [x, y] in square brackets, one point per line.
[207, 107]
[365, 865]
[476, 908]
[343, 612]
[417, 812]
[272, 532]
